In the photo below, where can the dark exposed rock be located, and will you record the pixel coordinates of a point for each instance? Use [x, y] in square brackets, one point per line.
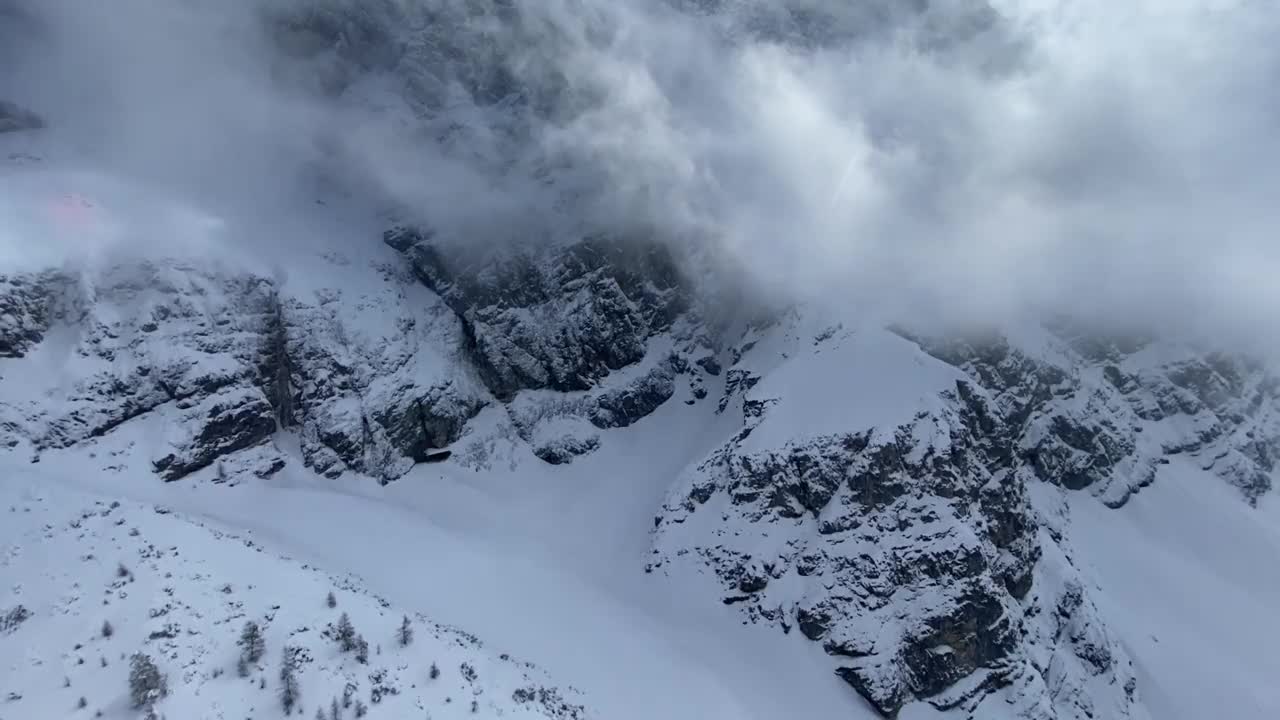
[557, 317]
[26, 309]
[229, 424]
[710, 364]
[926, 528]
[227, 361]
[623, 406]
[14, 118]
[1082, 430]
[563, 450]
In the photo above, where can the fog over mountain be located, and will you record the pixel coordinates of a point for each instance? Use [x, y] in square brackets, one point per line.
[678, 359]
[963, 157]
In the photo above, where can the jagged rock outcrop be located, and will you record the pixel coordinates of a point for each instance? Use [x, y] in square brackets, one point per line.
[25, 311]
[226, 360]
[558, 317]
[877, 498]
[146, 338]
[889, 521]
[1103, 413]
[374, 382]
[372, 376]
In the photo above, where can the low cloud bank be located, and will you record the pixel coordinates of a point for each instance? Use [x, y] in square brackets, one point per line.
[943, 158]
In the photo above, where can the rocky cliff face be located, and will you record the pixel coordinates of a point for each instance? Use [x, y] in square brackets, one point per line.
[560, 317]
[899, 534]
[230, 360]
[891, 520]
[370, 379]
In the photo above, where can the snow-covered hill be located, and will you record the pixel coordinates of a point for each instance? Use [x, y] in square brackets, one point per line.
[94, 582]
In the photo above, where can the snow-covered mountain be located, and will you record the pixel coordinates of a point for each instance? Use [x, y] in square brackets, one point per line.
[903, 502]
[586, 443]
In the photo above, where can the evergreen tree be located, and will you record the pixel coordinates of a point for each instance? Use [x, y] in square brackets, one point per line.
[362, 650]
[406, 632]
[252, 646]
[289, 694]
[435, 671]
[346, 634]
[107, 630]
[334, 712]
[331, 601]
[146, 684]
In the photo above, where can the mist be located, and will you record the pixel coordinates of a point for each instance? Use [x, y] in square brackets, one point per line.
[937, 159]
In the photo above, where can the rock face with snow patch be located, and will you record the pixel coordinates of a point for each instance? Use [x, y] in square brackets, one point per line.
[25, 311]
[226, 360]
[558, 317]
[372, 379]
[138, 339]
[908, 549]
[1103, 413]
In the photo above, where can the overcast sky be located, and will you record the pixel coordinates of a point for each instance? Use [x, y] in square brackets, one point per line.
[1118, 160]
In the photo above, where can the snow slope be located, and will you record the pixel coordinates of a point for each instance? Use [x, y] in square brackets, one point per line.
[99, 580]
[1190, 582]
[550, 571]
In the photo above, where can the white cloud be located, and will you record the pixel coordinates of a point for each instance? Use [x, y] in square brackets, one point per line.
[1117, 160]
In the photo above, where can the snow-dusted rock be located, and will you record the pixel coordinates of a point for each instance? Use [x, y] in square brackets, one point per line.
[24, 311]
[366, 379]
[1102, 413]
[374, 379]
[136, 338]
[557, 316]
[884, 515]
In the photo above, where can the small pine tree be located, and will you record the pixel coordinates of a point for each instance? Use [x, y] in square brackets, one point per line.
[82, 703]
[334, 712]
[346, 634]
[331, 601]
[242, 667]
[252, 646]
[346, 695]
[289, 694]
[320, 714]
[107, 630]
[361, 709]
[362, 650]
[406, 632]
[435, 671]
[146, 684]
